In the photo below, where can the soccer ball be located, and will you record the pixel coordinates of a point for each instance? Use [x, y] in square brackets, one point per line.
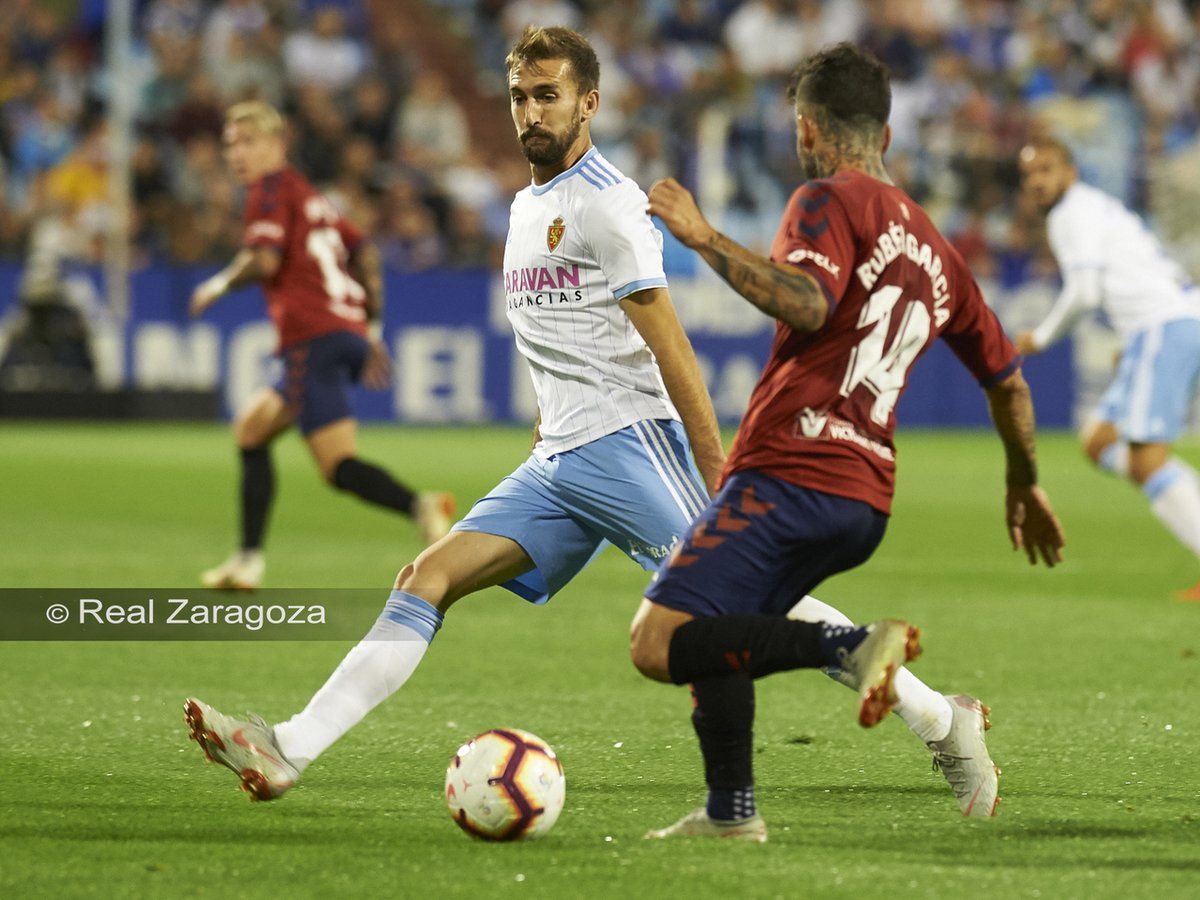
[505, 785]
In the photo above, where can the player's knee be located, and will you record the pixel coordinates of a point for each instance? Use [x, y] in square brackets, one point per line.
[426, 581]
[1147, 459]
[650, 654]
[330, 469]
[247, 436]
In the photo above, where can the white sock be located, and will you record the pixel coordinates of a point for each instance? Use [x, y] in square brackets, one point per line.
[927, 713]
[370, 673]
[1115, 459]
[1174, 495]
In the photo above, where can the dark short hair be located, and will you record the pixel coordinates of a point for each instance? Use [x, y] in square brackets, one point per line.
[849, 84]
[538, 44]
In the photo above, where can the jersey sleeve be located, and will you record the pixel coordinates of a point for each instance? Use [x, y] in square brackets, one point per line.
[625, 243]
[351, 236]
[816, 237]
[978, 339]
[1073, 229]
[266, 218]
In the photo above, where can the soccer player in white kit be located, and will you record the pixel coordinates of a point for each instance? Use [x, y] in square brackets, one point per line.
[622, 411]
[1111, 261]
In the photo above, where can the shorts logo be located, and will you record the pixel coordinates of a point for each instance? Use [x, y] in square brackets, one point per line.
[554, 234]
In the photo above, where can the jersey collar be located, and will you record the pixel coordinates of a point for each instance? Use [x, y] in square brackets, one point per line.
[539, 189]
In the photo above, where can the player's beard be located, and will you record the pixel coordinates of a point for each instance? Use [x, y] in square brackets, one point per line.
[551, 150]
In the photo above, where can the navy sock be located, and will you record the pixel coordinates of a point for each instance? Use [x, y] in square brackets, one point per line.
[834, 638]
[724, 723]
[730, 805]
[374, 485]
[258, 489]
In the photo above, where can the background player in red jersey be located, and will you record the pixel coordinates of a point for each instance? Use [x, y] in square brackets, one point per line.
[861, 283]
[325, 294]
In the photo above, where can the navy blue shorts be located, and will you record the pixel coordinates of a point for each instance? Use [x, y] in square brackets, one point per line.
[318, 375]
[761, 545]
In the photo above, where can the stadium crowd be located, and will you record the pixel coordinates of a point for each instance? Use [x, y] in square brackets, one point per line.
[404, 140]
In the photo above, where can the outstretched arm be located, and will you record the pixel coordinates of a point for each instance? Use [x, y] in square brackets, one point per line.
[1080, 294]
[1030, 518]
[782, 292]
[251, 264]
[365, 268]
[653, 315]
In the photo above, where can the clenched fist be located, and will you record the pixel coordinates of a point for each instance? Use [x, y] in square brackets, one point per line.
[675, 205]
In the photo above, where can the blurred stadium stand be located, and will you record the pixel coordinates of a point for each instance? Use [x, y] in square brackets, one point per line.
[398, 112]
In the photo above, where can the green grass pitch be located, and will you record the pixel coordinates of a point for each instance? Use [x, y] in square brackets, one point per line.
[1091, 670]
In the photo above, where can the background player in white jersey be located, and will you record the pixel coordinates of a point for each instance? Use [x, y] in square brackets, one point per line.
[622, 406]
[1111, 261]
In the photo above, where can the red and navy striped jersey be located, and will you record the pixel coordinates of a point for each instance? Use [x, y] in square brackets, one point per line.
[822, 414]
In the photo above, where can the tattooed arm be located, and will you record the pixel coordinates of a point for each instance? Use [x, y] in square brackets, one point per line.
[1030, 518]
[782, 292]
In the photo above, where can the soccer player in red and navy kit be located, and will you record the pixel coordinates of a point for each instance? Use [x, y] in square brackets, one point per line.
[861, 284]
[325, 295]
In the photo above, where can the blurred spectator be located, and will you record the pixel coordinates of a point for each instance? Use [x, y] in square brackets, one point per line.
[252, 71]
[519, 14]
[374, 111]
[768, 37]
[431, 128]
[325, 56]
[201, 111]
[173, 20]
[229, 18]
[401, 122]
[164, 93]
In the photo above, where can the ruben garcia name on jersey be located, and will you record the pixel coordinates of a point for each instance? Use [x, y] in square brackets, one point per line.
[562, 285]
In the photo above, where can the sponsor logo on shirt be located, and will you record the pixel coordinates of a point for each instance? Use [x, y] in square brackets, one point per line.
[542, 286]
[814, 425]
[811, 422]
[801, 254]
[272, 231]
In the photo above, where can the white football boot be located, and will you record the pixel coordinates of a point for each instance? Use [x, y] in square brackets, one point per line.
[962, 756]
[243, 571]
[245, 746]
[698, 824]
[433, 514]
[872, 666]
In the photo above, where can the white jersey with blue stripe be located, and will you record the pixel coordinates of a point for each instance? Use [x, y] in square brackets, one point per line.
[578, 245]
[1140, 286]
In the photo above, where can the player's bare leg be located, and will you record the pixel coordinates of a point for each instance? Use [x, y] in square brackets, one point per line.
[255, 428]
[1170, 485]
[380, 664]
[334, 448]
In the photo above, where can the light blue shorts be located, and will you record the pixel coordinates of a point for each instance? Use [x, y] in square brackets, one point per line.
[636, 488]
[1151, 396]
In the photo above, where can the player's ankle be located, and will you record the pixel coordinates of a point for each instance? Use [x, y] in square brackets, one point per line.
[731, 804]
